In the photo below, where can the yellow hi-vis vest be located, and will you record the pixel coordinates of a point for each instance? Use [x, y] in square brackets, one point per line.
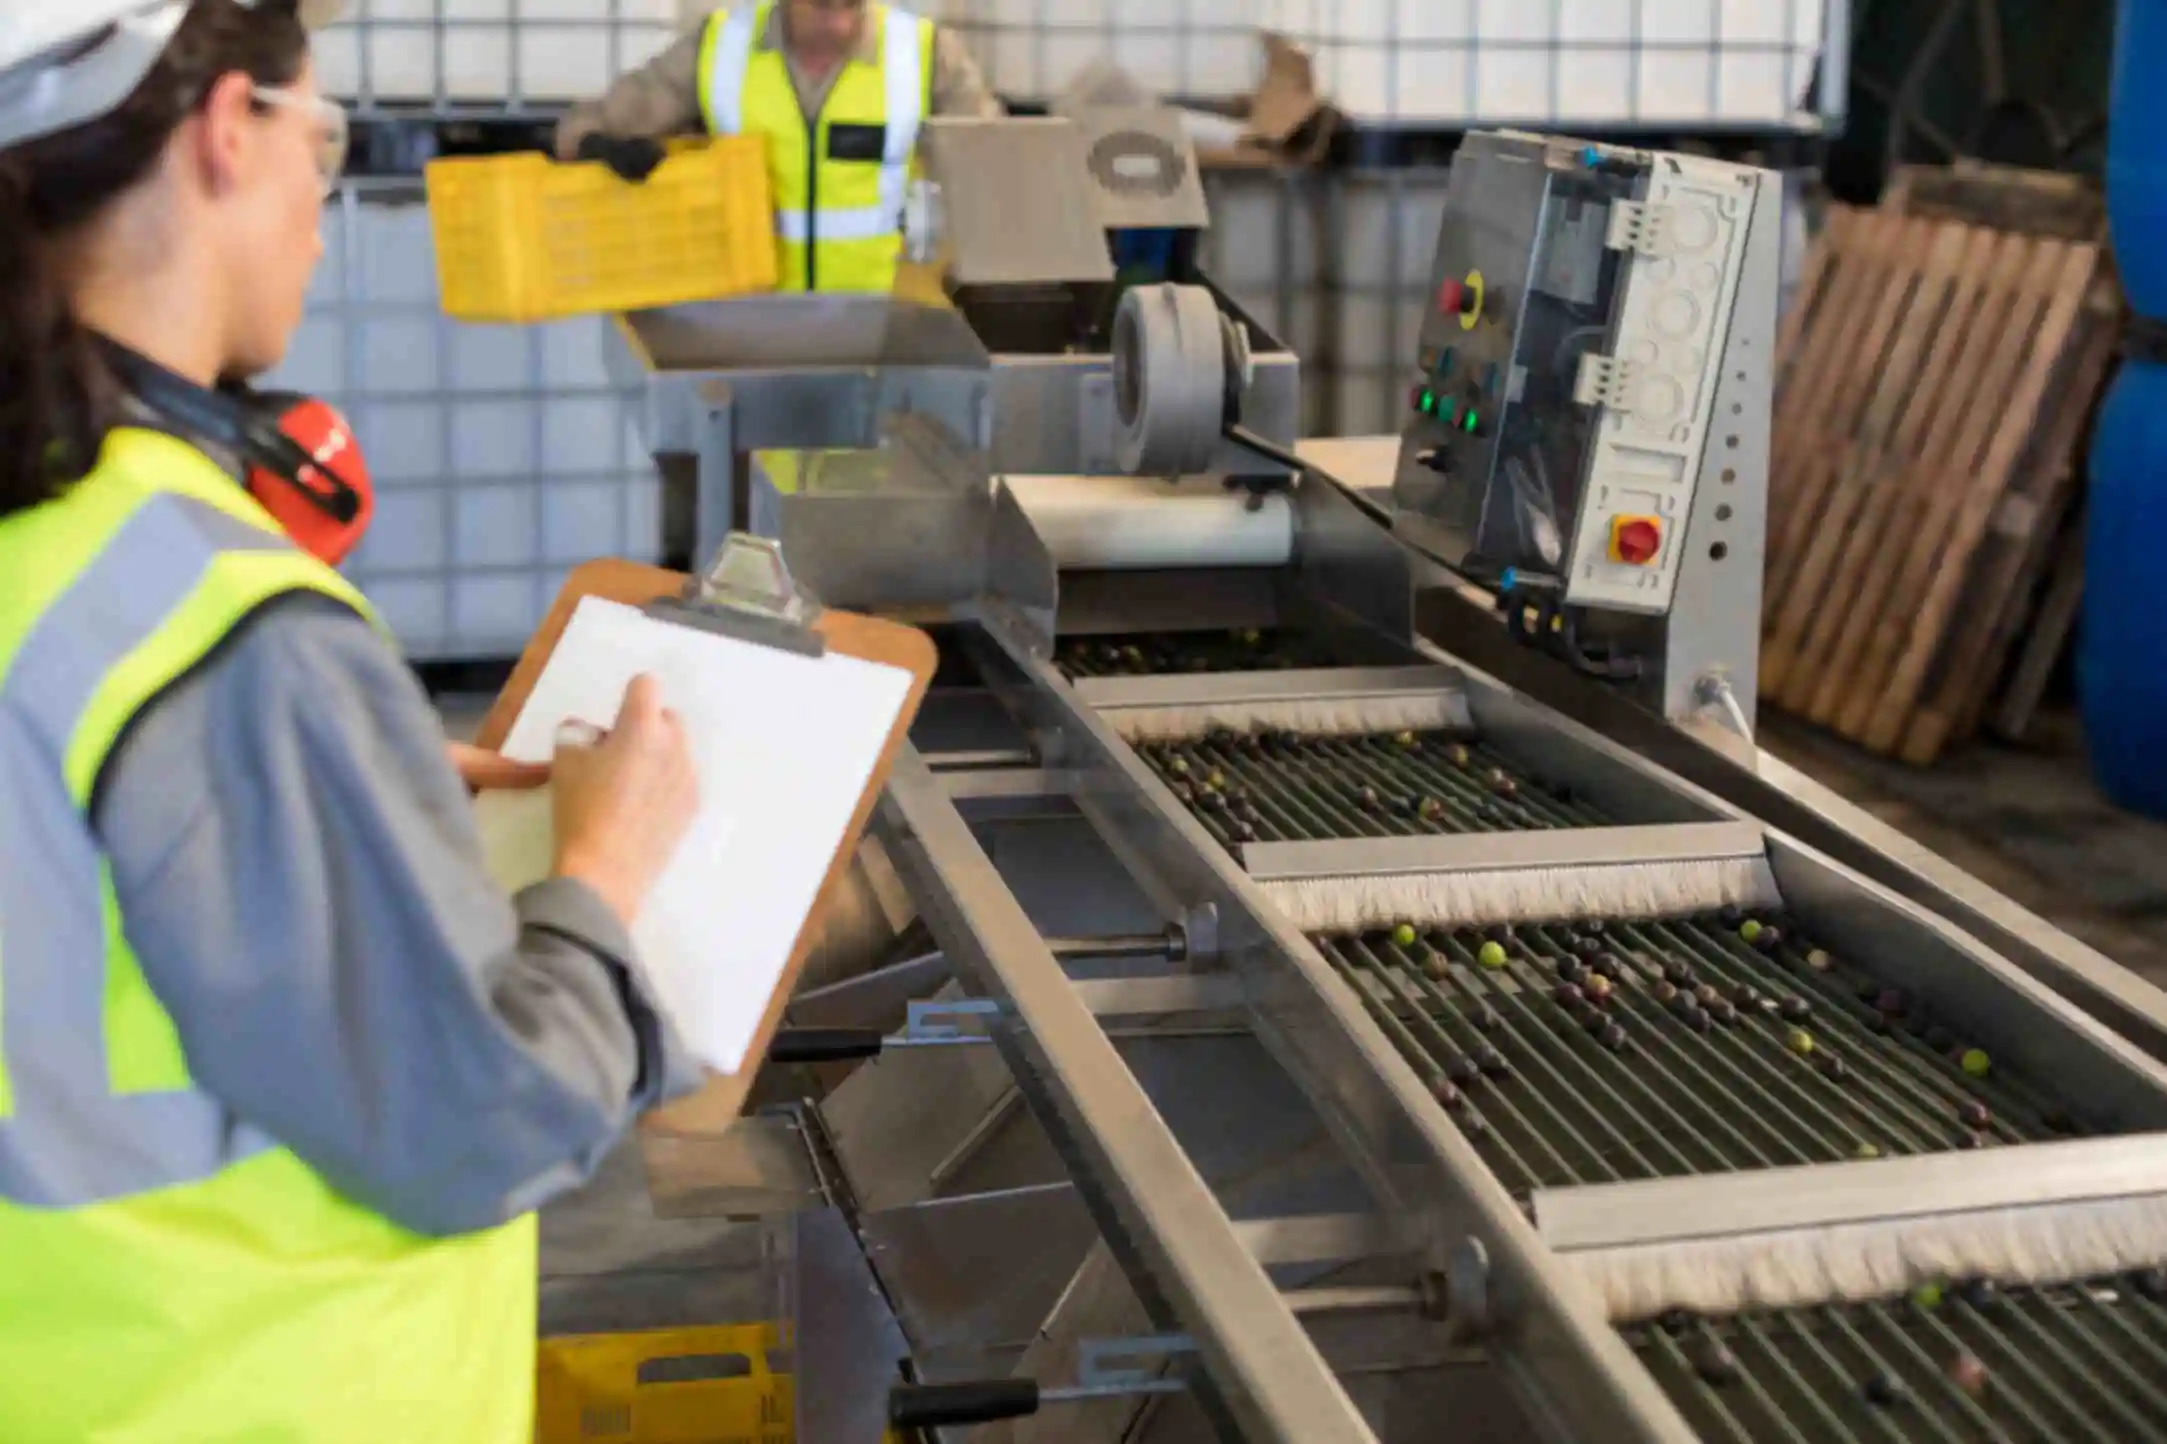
[168, 1273]
[839, 184]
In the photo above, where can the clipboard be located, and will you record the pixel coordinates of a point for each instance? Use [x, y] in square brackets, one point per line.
[746, 596]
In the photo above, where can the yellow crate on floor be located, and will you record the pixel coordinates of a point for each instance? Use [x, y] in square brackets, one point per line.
[663, 1386]
[524, 238]
[715, 1385]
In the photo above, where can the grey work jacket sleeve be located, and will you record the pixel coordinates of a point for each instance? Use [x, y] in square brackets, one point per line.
[959, 86]
[300, 875]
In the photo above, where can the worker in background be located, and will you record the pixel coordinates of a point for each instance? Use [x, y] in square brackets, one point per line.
[283, 1075]
[838, 89]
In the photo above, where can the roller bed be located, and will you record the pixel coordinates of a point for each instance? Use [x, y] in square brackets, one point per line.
[1608, 1052]
[1155, 654]
[1276, 786]
[1958, 1362]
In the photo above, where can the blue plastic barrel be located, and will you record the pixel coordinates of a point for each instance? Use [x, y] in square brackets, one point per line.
[2122, 645]
[2137, 153]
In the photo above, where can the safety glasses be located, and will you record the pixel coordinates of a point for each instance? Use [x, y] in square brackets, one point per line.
[331, 127]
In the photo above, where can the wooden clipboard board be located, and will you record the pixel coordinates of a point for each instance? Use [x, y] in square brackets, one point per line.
[719, 1104]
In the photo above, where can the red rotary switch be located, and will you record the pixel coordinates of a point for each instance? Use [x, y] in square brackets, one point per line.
[1457, 298]
[1635, 540]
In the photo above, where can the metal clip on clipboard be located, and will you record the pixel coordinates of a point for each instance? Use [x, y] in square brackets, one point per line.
[747, 592]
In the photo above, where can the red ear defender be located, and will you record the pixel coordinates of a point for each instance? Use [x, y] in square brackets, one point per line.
[323, 499]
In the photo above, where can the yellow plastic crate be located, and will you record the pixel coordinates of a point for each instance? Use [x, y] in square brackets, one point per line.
[665, 1386]
[523, 238]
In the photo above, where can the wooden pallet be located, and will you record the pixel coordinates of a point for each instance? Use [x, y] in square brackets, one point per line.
[1934, 380]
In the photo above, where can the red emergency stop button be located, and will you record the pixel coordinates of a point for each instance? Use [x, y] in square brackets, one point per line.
[1635, 540]
[1457, 298]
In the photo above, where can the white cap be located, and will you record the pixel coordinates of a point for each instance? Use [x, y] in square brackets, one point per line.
[64, 63]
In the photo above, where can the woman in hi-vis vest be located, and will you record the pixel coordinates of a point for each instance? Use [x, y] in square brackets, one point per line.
[837, 89]
[283, 1075]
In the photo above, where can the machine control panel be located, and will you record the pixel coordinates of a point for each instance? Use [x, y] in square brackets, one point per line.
[1562, 397]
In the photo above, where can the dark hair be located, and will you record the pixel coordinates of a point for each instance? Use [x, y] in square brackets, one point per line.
[57, 396]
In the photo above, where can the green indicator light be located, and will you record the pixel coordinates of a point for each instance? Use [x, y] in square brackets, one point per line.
[1427, 402]
[1470, 421]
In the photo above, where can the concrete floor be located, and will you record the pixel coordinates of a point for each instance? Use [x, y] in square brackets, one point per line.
[2026, 821]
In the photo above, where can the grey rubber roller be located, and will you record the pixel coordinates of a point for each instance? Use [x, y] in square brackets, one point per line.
[1170, 378]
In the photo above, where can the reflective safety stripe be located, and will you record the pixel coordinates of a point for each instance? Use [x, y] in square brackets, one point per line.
[904, 72]
[127, 593]
[868, 224]
[726, 49]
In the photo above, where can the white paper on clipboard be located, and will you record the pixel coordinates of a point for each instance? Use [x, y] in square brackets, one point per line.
[784, 746]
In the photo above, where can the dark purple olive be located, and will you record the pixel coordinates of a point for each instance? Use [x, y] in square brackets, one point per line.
[1486, 1018]
[1980, 1293]
[1745, 995]
[1725, 1013]
[1974, 1114]
[1699, 1020]
[1706, 995]
[1448, 1093]
[1796, 1009]
[1608, 965]
[1595, 927]
[1968, 1373]
[1675, 1321]
[1685, 1003]
[1474, 1125]
[1716, 1365]
[1572, 970]
[1369, 799]
[1769, 938]
[1492, 1062]
[1678, 973]
[1969, 1141]
[2151, 1284]
[1568, 996]
[1245, 831]
[1222, 736]
[1731, 916]
[1587, 947]
[1614, 1037]
[1498, 932]
[1885, 1391]
[1462, 1070]
[1592, 1020]
[1831, 1066]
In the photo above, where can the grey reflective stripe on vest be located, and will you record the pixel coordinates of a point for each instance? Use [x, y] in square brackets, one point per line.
[69, 1139]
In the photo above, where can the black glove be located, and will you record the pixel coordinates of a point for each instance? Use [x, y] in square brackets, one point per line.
[633, 158]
